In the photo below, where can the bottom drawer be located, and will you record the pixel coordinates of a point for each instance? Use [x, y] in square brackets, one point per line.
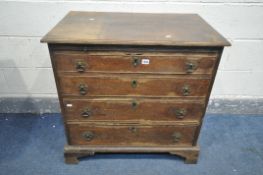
[134, 135]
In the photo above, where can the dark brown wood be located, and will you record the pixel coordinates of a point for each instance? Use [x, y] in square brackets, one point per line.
[220, 51]
[131, 135]
[72, 153]
[71, 158]
[51, 52]
[190, 155]
[134, 29]
[122, 85]
[128, 62]
[114, 109]
[113, 103]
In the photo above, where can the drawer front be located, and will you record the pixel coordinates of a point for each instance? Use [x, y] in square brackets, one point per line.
[81, 134]
[132, 109]
[133, 86]
[168, 64]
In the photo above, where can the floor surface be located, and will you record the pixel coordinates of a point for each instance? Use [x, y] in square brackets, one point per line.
[32, 144]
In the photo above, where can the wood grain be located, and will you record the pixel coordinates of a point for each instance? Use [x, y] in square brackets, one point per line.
[111, 104]
[115, 109]
[73, 152]
[166, 63]
[134, 29]
[131, 135]
[112, 85]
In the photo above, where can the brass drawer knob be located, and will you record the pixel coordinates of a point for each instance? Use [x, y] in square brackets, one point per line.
[136, 61]
[86, 113]
[83, 89]
[190, 67]
[176, 137]
[186, 90]
[88, 135]
[134, 83]
[80, 66]
[180, 113]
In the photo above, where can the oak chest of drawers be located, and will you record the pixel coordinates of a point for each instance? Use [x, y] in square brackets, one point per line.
[133, 82]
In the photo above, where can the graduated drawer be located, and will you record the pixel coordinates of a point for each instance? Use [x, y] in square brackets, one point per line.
[110, 85]
[130, 135]
[112, 109]
[166, 63]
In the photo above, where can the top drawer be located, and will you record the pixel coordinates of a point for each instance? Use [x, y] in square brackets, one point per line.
[121, 62]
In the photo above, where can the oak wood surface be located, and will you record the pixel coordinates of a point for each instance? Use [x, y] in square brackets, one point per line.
[132, 107]
[220, 51]
[128, 135]
[102, 126]
[73, 152]
[172, 63]
[115, 109]
[135, 29]
[112, 85]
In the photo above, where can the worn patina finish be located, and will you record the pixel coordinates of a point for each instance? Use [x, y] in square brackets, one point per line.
[133, 82]
[134, 29]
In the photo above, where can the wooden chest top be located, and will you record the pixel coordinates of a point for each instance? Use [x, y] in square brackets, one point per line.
[134, 29]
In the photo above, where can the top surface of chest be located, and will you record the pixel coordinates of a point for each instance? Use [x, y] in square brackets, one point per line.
[134, 29]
